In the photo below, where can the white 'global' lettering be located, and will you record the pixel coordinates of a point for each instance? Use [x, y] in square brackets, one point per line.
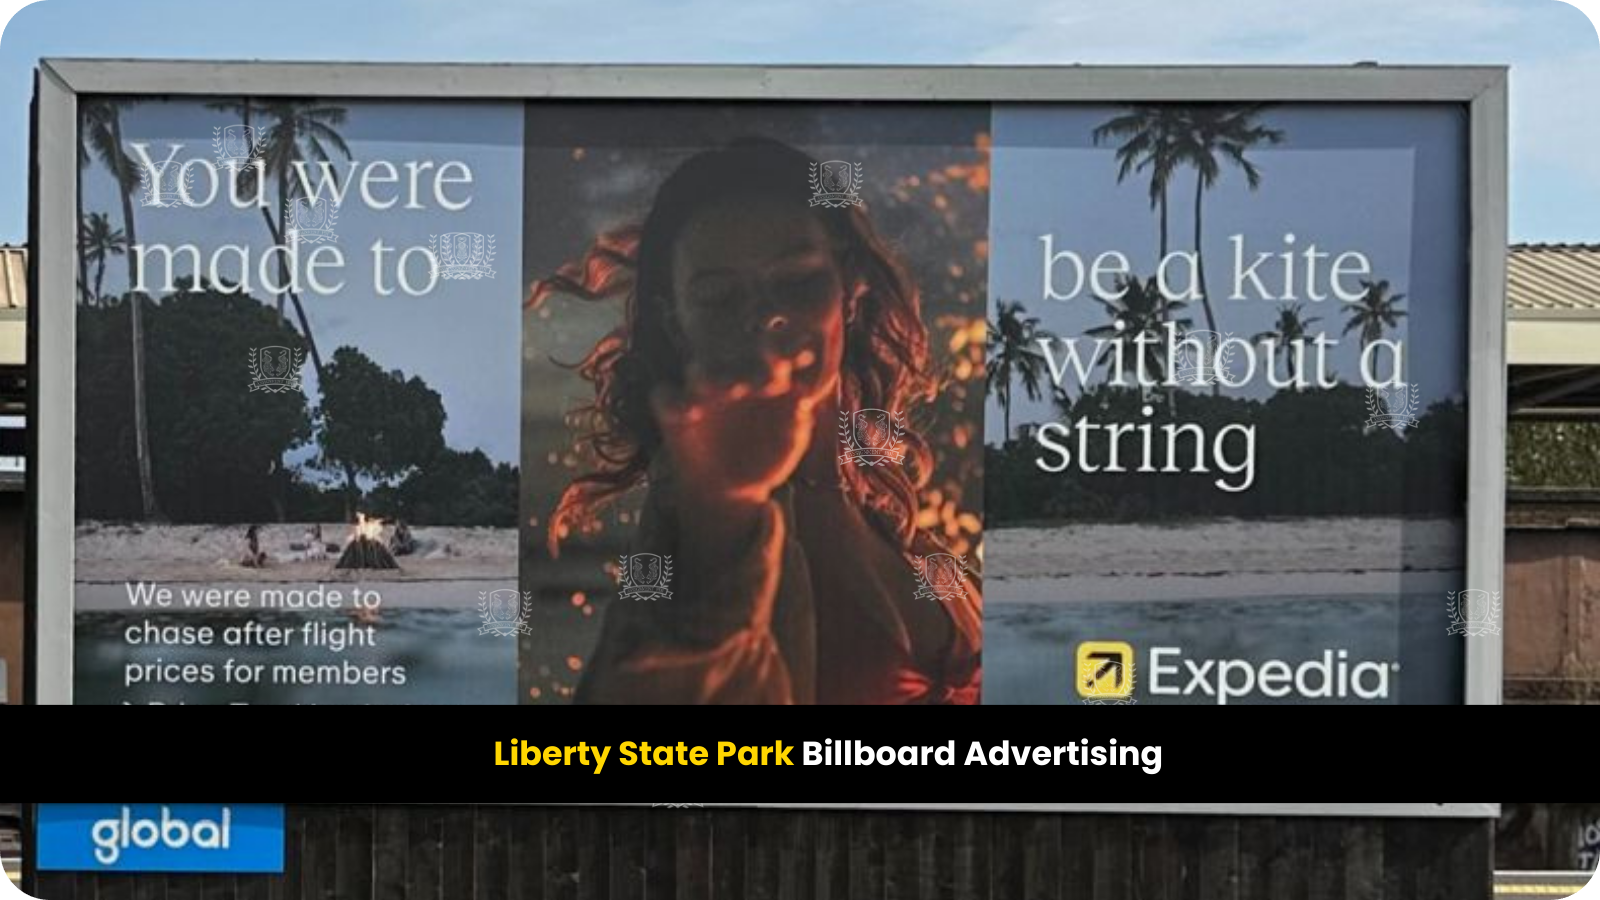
[112, 836]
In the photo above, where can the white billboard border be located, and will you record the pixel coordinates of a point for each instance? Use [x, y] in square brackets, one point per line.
[1482, 89]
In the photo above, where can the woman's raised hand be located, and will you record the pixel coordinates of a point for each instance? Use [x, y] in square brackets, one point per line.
[736, 432]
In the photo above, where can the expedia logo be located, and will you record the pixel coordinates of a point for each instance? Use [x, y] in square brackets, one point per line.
[1332, 676]
[1105, 671]
[1105, 668]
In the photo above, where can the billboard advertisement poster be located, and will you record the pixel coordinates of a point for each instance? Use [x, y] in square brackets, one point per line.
[1125, 390]
[850, 239]
[297, 450]
[1231, 455]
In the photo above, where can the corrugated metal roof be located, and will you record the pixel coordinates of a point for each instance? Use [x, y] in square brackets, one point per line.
[1553, 278]
[13, 277]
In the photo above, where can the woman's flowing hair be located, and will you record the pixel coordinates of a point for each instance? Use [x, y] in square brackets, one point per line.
[886, 345]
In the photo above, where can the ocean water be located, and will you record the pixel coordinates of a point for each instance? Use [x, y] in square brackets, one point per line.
[446, 660]
[1030, 649]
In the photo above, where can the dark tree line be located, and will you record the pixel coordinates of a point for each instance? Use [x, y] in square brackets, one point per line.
[218, 448]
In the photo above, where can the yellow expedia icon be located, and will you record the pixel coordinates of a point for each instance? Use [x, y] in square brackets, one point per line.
[1104, 670]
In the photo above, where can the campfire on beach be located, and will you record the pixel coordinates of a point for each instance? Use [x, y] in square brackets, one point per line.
[365, 549]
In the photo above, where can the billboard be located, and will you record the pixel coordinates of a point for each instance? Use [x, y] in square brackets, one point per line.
[768, 385]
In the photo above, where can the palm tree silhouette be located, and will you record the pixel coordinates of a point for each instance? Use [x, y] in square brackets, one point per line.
[1150, 143]
[1215, 135]
[85, 159]
[98, 240]
[1013, 336]
[1291, 326]
[1142, 309]
[303, 132]
[100, 131]
[1375, 311]
[1153, 135]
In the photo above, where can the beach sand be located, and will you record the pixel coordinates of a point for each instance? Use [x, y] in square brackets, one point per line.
[115, 553]
[1374, 588]
[1225, 557]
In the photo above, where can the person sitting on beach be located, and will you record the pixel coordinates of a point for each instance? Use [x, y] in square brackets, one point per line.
[402, 543]
[316, 547]
[254, 556]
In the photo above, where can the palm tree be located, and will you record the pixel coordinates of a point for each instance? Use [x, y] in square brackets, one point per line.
[1143, 309]
[1291, 326]
[1013, 335]
[1375, 311]
[1229, 132]
[97, 240]
[1151, 134]
[303, 132]
[100, 130]
[85, 158]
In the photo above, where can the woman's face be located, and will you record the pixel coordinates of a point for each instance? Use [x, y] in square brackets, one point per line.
[756, 278]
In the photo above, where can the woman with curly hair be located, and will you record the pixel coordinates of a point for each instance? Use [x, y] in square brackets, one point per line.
[752, 320]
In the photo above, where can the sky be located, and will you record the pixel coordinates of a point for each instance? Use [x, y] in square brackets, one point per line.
[1552, 48]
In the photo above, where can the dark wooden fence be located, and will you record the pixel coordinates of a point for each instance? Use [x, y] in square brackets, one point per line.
[396, 852]
[1552, 636]
[1547, 836]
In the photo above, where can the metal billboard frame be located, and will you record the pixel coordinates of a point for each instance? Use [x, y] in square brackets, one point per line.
[1482, 90]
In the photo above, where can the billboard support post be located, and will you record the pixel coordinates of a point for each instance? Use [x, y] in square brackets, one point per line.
[1486, 411]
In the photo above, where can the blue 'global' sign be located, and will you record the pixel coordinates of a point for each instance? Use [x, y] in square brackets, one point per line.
[161, 837]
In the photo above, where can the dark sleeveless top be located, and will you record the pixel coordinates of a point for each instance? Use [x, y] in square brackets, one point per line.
[817, 608]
